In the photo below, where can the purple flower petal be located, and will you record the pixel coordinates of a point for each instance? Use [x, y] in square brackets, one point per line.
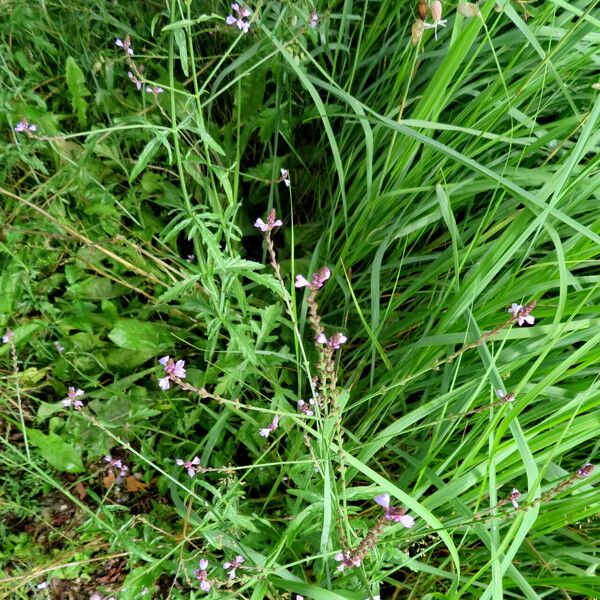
[301, 281]
[383, 500]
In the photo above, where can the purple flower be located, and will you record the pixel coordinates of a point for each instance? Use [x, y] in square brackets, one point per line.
[125, 44]
[521, 313]
[514, 496]
[285, 177]
[317, 281]
[155, 89]
[117, 463]
[202, 575]
[586, 470]
[336, 340]
[70, 400]
[347, 560]
[8, 336]
[314, 19]
[436, 14]
[242, 12]
[306, 407]
[135, 80]
[24, 125]
[42, 586]
[504, 396]
[189, 465]
[272, 222]
[174, 371]
[398, 515]
[270, 428]
[233, 565]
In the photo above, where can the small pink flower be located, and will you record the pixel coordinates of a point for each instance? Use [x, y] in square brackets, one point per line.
[504, 396]
[135, 80]
[174, 371]
[301, 281]
[155, 89]
[336, 340]
[306, 407]
[24, 125]
[233, 565]
[586, 470]
[202, 575]
[347, 560]
[514, 496]
[521, 313]
[318, 279]
[242, 13]
[117, 463]
[272, 222]
[125, 44]
[314, 19]
[398, 515]
[8, 336]
[436, 14]
[42, 586]
[189, 465]
[265, 432]
[70, 400]
[285, 177]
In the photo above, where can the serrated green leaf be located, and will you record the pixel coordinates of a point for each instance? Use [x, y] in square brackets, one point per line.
[76, 85]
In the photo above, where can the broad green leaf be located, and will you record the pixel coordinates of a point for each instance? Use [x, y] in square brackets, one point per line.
[132, 334]
[57, 452]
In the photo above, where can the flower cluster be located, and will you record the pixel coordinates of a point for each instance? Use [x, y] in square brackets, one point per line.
[231, 567]
[586, 470]
[135, 73]
[514, 497]
[392, 513]
[306, 407]
[347, 560]
[155, 89]
[354, 557]
[272, 222]
[285, 177]
[242, 13]
[71, 401]
[266, 431]
[125, 44]
[191, 466]
[137, 82]
[24, 125]
[202, 575]
[117, 464]
[317, 281]
[522, 313]
[314, 19]
[336, 340]
[174, 372]
[8, 336]
[504, 397]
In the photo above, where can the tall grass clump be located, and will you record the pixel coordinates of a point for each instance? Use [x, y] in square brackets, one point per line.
[299, 299]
